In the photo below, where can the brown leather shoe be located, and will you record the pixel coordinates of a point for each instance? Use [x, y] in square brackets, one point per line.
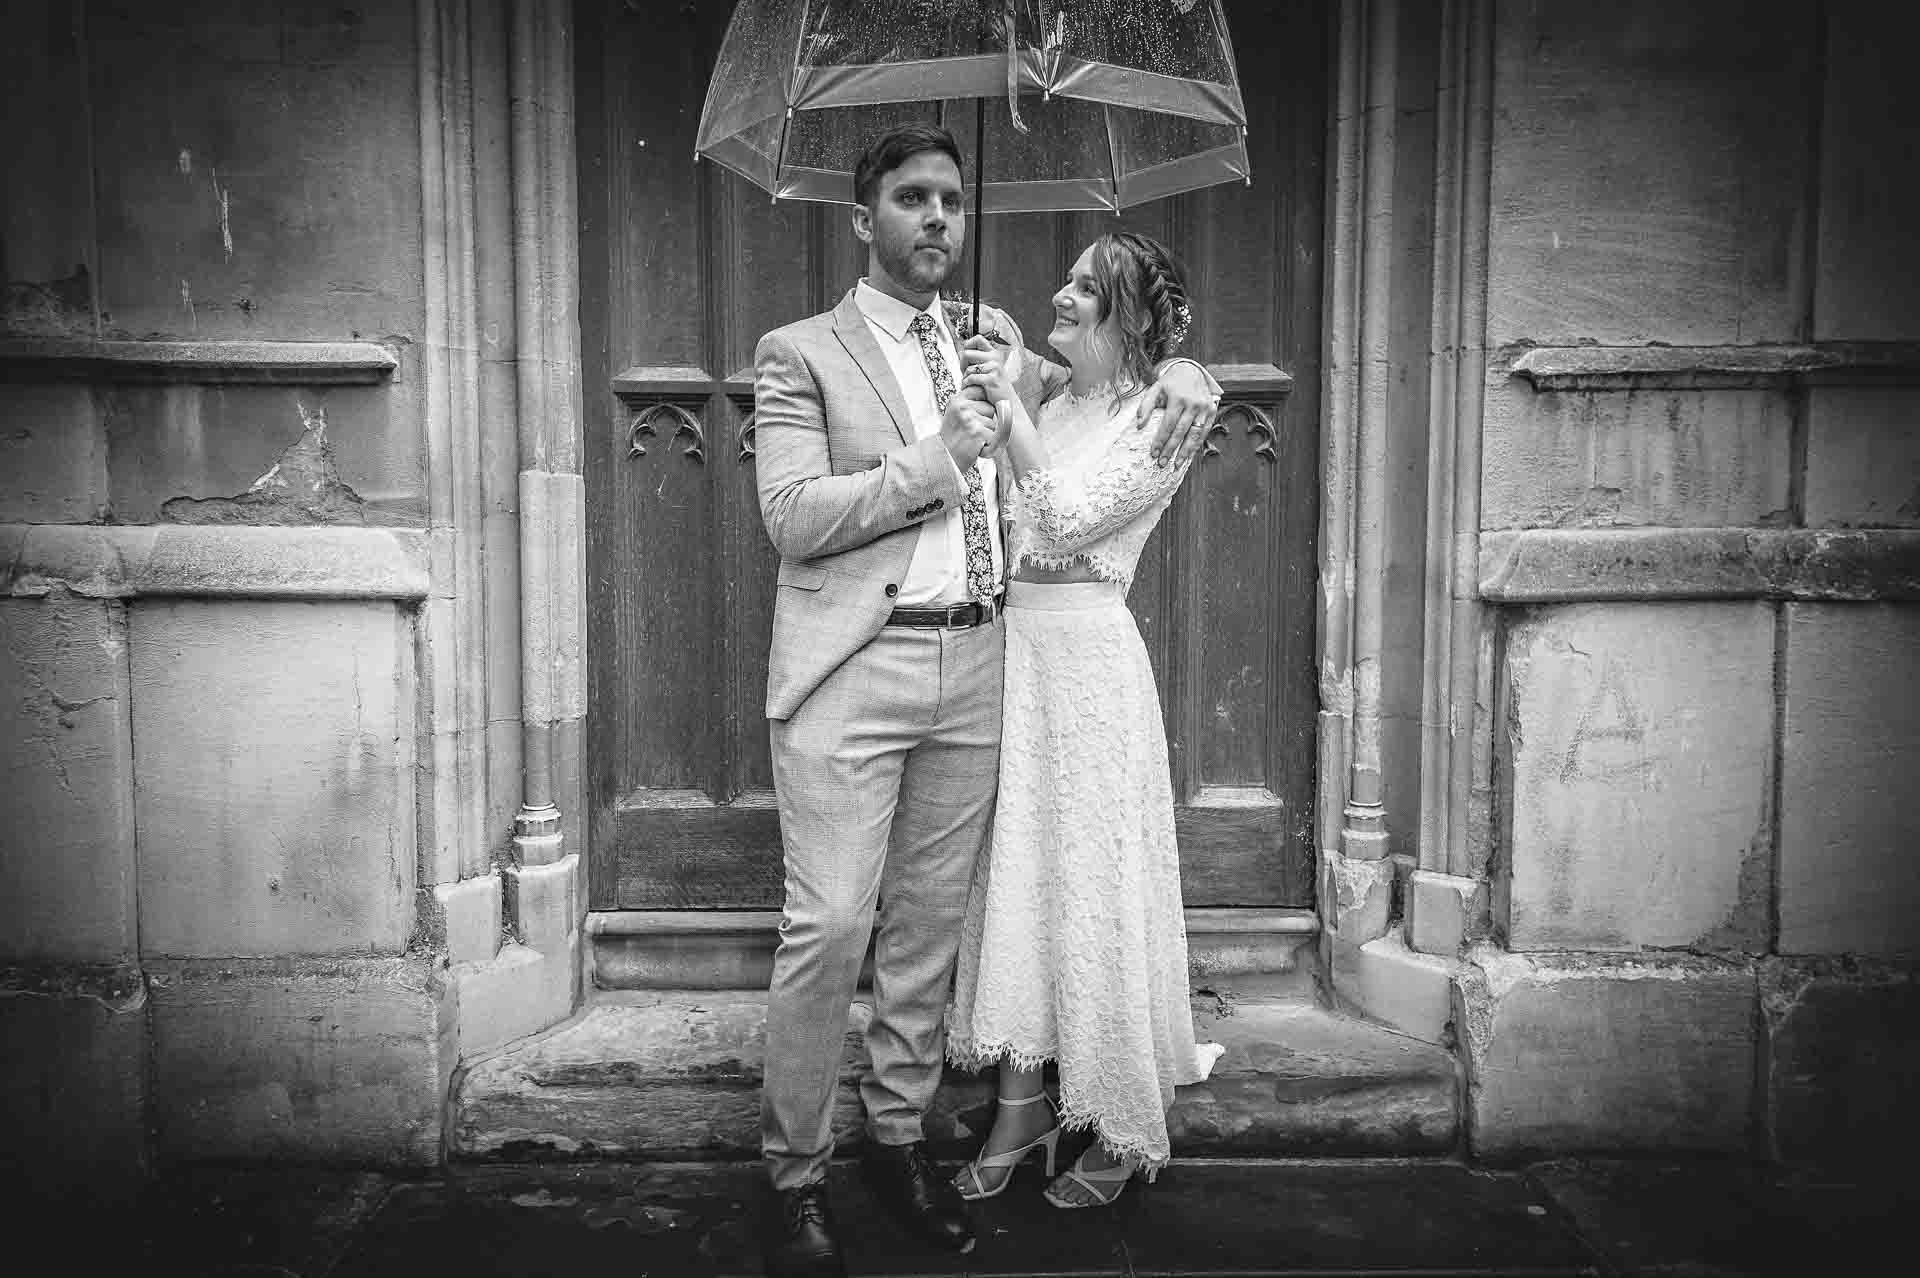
[797, 1239]
[902, 1178]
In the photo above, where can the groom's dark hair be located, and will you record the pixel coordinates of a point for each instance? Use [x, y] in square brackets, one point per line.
[894, 148]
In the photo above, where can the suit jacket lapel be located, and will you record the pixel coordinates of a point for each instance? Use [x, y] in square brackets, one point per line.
[850, 326]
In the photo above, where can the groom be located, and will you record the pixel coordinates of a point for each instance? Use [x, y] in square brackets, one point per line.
[883, 685]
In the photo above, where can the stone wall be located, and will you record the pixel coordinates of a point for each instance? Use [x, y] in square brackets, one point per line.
[1701, 315]
[216, 702]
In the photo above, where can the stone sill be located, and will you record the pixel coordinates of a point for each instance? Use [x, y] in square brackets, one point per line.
[715, 923]
[1562, 368]
[198, 363]
[213, 561]
[1575, 565]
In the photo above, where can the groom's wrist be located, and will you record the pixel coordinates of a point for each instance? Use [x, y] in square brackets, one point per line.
[1161, 369]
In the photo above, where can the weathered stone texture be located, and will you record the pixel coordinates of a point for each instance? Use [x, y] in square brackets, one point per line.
[182, 453]
[276, 795]
[520, 991]
[1637, 740]
[470, 913]
[1356, 896]
[1597, 459]
[673, 1074]
[1868, 255]
[1842, 1064]
[1571, 1055]
[1863, 456]
[1650, 164]
[1410, 991]
[1849, 833]
[308, 1060]
[53, 455]
[1443, 911]
[266, 195]
[546, 902]
[66, 768]
[73, 1093]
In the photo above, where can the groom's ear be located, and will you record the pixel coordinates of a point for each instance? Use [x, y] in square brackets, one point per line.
[863, 223]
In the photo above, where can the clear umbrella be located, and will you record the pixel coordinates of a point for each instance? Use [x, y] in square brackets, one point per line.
[1075, 104]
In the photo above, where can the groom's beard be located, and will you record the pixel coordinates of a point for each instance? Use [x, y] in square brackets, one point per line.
[915, 270]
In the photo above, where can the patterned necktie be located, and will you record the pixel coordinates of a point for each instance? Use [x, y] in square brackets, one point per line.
[974, 525]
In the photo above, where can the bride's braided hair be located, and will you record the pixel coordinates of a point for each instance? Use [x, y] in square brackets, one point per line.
[1143, 288]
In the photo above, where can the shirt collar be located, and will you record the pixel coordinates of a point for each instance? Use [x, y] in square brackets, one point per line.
[893, 315]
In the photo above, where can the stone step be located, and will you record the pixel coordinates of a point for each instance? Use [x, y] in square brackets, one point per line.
[675, 1074]
[733, 949]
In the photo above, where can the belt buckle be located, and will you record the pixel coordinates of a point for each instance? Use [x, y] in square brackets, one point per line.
[957, 618]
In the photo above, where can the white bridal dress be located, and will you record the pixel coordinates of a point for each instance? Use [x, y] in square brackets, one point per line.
[1074, 949]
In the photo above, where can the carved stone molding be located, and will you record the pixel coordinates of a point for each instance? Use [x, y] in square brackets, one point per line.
[1590, 565]
[214, 562]
[1619, 368]
[197, 363]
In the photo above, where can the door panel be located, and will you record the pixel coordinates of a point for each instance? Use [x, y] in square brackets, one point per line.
[684, 266]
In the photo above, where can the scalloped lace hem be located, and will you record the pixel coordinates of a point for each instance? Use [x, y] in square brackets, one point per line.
[975, 1056]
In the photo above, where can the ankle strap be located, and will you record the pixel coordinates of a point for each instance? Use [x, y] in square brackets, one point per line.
[1025, 1100]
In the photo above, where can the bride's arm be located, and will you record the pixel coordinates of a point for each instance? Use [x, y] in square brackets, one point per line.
[1068, 507]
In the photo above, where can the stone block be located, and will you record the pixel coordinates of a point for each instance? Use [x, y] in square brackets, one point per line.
[544, 902]
[53, 455]
[1592, 1054]
[1842, 1064]
[471, 909]
[1636, 743]
[66, 768]
[1384, 979]
[315, 1060]
[1867, 254]
[1849, 829]
[1643, 198]
[521, 991]
[1668, 458]
[1443, 911]
[73, 1095]
[1356, 896]
[276, 792]
[1863, 457]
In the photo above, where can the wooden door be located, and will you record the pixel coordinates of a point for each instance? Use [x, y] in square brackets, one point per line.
[683, 267]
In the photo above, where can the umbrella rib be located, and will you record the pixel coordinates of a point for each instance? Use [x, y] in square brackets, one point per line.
[793, 63]
[1113, 158]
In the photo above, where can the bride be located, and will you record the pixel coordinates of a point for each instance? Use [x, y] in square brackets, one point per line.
[1074, 949]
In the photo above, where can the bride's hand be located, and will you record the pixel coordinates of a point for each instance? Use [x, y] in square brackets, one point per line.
[986, 371]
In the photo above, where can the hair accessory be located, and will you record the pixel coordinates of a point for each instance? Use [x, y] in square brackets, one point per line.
[1182, 321]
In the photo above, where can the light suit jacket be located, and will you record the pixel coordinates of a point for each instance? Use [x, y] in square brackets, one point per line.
[844, 487]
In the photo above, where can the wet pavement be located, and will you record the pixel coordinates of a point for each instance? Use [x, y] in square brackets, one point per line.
[1345, 1217]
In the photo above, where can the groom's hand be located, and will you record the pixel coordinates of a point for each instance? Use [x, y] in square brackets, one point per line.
[1189, 405]
[967, 426]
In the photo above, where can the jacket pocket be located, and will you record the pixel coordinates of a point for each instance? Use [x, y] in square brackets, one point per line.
[802, 576]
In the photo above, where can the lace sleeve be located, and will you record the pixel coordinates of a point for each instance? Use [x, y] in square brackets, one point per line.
[1067, 507]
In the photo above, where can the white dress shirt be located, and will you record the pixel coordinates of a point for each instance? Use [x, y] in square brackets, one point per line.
[937, 574]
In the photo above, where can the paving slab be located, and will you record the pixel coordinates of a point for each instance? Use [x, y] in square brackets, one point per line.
[1346, 1217]
[1703, 1218]
[1721, 1219]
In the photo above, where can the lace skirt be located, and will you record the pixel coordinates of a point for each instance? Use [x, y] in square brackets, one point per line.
[1074, 947]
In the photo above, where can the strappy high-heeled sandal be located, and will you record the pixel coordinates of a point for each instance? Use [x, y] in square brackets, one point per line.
[973, 1186]
[1104, 1183]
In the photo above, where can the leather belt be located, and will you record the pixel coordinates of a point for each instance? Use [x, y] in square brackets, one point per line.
[952, 617]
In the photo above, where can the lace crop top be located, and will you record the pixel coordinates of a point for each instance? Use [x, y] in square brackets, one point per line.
[1101, 495]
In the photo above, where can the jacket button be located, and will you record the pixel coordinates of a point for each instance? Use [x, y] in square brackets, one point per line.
[892, 591]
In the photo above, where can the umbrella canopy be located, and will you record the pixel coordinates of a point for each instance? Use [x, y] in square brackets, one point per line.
[1088, 104]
